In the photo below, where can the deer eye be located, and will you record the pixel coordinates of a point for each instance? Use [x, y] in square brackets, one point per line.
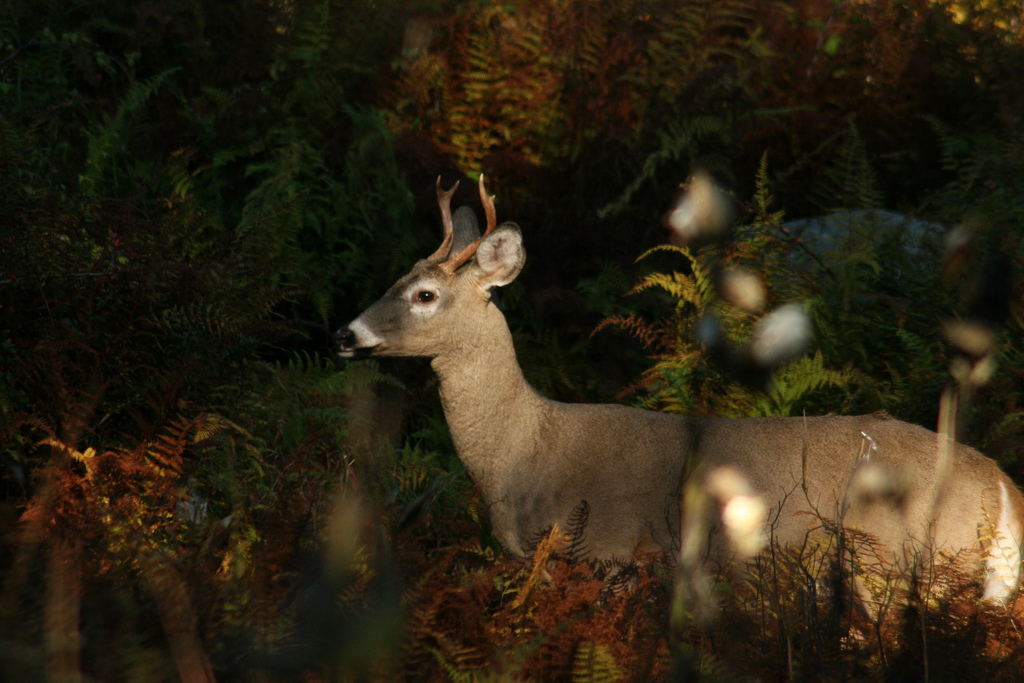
[424, 296]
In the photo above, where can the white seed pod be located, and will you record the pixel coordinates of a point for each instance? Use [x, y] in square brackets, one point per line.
[743, 518]
[874, 482]
[743, 512]
[982, 371]
[703, 213]
[780, 336]
[741, 288]
[973, 338]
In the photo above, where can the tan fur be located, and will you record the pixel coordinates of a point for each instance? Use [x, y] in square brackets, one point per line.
[535, 460]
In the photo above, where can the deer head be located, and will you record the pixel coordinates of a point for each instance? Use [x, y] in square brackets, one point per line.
[422, 312]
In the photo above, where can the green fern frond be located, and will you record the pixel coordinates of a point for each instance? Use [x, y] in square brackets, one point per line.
[210, 425]
[671, 248]
[415, 468]
[456, 670]
[186, 322]
[595, 663]
[307, 363]
[681, 287]
[694, 288]
[849, 181]
[797, 380]
[947, 142]
[763, 199]
[604, 292]
[677, 139]
[104, 142]
[365, 372]
[313, 33]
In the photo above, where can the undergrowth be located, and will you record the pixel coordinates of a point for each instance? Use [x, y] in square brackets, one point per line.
[788, 614]
[192, 195]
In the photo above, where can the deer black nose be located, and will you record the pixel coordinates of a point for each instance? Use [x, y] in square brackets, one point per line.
[345, 338]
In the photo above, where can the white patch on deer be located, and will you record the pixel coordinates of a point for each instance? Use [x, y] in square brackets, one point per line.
[1002, 563]
[364, 337]
[421, 309]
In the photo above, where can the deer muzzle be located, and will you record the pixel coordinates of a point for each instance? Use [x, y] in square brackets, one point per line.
[345, 338]
[355, 341]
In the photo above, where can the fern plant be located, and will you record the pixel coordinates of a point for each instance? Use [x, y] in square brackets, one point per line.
[595, 664]
[684, 377]
[536, 83]
[107, 142]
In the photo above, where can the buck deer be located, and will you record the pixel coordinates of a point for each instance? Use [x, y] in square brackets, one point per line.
[535, 460]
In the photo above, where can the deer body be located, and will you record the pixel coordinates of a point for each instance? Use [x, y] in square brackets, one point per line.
[536, 460]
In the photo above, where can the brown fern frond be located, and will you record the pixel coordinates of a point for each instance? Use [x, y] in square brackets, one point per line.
[553, 542]
[654, 336]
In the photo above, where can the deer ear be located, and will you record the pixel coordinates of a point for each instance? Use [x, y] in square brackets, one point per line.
[500, 257]
[465, 228]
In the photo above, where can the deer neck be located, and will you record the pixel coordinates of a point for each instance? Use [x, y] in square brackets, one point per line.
[487, 402]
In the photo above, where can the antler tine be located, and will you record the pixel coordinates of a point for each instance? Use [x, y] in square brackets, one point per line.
[452, 263]
[444, 200]
[488, 202]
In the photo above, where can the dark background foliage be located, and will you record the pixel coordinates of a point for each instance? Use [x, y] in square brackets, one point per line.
[193, 194]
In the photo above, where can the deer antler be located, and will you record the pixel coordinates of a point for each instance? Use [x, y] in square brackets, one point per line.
[452, 263]
[444, 200]
[488, 202]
